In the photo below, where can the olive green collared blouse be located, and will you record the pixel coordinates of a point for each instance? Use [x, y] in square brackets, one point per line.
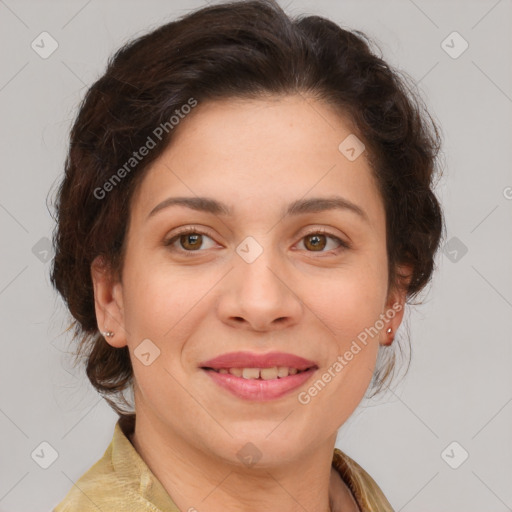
[122, 482]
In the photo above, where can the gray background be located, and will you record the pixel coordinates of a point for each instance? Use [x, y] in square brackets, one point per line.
[459, 386]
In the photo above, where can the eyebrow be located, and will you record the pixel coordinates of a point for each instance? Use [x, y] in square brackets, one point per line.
[299, 207]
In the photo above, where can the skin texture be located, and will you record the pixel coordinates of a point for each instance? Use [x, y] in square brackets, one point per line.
[257, 156]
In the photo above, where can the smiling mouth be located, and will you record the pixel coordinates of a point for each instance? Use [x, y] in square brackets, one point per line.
[276, 372]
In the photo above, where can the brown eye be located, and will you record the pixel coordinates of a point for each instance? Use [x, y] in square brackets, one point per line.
[191, 241]
[316, 242]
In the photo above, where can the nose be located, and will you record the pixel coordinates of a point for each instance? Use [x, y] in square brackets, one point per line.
[258, 296]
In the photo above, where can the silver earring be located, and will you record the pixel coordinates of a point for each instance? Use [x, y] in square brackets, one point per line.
[389, 331]
[108, 334]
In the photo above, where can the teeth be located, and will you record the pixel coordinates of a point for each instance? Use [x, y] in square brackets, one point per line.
[269, 373]
[276, 372]
[283, 371]
[251, 373]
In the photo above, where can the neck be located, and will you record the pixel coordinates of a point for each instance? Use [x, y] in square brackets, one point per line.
[199, 480]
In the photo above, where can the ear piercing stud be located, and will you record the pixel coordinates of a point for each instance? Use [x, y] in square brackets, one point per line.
[389, 331]
[108, 334]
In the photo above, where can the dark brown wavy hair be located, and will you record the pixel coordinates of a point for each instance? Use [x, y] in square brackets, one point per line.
[241, 49]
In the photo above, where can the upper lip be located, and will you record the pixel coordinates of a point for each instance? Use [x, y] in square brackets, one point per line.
[254, 360]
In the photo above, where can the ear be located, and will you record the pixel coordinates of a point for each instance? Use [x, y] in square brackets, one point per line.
[395, 305]
[108, 302]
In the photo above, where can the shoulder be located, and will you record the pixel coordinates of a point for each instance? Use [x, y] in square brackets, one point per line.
[101, 489]
[92, 490]
[368, 494]
[118, 482]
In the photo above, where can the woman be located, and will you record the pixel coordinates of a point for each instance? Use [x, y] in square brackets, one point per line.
[246, 209]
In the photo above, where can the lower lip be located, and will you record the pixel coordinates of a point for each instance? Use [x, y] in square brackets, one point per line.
[258, 389]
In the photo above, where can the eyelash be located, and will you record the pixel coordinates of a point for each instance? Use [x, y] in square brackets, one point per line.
[193, 230]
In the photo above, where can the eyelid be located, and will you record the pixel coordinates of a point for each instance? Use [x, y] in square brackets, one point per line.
[326, 232]
[186, 230]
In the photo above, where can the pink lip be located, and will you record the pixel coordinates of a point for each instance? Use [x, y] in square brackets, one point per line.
[254, 360]
[260, 390]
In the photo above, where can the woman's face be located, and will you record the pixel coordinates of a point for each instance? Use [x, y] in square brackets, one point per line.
[308, 283]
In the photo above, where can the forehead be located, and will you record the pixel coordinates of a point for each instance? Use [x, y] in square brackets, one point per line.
[259, 153]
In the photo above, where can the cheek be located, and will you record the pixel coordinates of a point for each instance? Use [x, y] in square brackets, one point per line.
[157, 299]
[159, 388]
[349, 299]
